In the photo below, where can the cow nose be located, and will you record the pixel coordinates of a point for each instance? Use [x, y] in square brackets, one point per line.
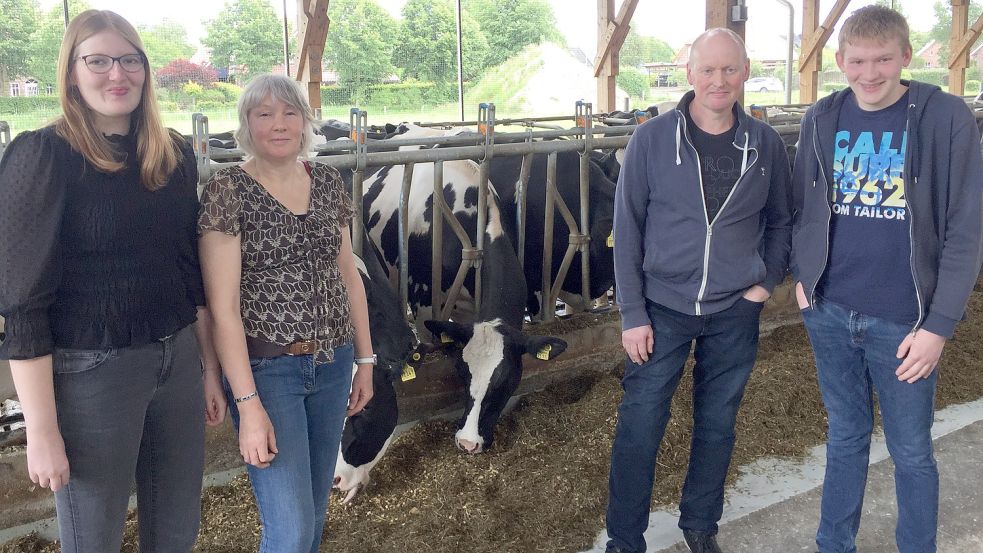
[337, 480]
[469, 446]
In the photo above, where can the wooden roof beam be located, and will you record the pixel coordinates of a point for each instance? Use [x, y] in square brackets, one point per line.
[614, 35]
[813, 47]
[313, 23]
[966, 41]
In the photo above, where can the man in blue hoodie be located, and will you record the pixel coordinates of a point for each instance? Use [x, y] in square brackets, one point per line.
[702, 231]
[887, 188]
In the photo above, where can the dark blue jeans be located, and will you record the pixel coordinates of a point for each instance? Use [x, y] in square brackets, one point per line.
[306, 403]
[856, 356]
[726, 346]
[125, 413]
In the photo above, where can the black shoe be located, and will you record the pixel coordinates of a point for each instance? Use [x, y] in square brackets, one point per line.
[701, 542]
[613, 549]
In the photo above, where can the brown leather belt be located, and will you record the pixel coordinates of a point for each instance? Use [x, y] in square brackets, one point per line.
[257, 347]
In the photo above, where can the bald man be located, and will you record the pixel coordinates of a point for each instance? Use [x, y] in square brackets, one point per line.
[701, 238]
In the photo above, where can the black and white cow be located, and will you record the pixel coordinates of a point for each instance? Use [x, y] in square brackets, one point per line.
[504, 174]
[489, 360]
[494, 329]
[368, 434]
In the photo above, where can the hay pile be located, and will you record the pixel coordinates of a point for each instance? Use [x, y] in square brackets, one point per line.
[544, 485]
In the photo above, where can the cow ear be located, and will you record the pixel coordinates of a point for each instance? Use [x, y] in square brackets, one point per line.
[545, 347]
[445, 332]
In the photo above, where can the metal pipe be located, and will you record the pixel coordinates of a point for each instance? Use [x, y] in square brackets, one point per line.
[437, 235]
[791, 50]
[404, 235]
[585, 226]
[358, 179]
[522, 192]
[547, 310]
[381, 159]
[460, 63]
[286, 41]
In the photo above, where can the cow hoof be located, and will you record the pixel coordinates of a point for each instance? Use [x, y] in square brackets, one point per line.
[469, 447]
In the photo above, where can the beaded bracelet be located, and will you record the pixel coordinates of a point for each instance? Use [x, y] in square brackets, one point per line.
[246, 397]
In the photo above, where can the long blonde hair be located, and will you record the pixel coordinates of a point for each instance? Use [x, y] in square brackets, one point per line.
[157, 148]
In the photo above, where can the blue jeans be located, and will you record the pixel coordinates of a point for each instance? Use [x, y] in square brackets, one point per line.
[726, 347]
[131, 413]
[856, 356]
[306, 403]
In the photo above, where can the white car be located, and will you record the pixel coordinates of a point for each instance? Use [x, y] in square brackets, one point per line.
[764, 84]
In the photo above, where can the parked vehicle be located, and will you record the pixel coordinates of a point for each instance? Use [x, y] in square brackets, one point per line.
[764, 84]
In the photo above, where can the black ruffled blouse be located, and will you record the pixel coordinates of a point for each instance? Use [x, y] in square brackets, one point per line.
[93, 260]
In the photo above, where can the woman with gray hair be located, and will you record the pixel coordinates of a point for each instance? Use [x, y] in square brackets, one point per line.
[289, 311]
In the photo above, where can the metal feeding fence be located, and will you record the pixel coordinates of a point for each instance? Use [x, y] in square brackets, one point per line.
[359, 153]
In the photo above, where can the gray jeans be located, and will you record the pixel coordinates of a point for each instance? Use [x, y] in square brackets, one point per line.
[135, 412]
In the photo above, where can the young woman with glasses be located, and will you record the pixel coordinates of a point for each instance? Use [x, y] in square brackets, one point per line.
[100, 289]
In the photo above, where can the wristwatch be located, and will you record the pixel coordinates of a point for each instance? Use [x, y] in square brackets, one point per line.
[374, 360]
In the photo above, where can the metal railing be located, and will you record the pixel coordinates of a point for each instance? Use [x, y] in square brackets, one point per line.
[357, 154]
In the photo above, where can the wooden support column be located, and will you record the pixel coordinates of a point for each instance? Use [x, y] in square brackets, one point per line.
[718, 15]
[313, 23]
[612, 30]
[814, 38]
[960, 41]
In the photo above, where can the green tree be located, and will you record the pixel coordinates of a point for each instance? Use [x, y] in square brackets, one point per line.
[19, 20]
[942, 30]
[427, 46]
[247, 36]
[165, 42]
[360, 44]
[511, 25]
[639, 49]
[46, 41]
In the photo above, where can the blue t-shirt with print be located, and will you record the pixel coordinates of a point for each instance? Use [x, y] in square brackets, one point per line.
[869, 267]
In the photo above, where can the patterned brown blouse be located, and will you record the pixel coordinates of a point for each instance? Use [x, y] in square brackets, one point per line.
[291, 286]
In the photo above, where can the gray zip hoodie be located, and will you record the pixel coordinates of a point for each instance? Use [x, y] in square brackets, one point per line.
[667, 251]
[943, 193]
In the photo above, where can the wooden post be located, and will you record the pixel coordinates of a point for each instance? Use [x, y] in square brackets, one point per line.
[719, 15]
[606, 71]
[814, 38]
[313, 23]
[809, 71]
[960, 41]
[612, 31]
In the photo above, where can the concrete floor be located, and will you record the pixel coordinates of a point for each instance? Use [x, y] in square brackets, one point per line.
[774, 508]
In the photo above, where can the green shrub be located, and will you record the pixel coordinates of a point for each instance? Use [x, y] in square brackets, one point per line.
[407, 95]
[972, 86]
[938, 77]
[634, 82]
[21, 104]
[230, 91]
[213, 96]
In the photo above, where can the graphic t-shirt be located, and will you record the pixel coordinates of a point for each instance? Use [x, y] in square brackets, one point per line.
[869, 266]
[720, 164]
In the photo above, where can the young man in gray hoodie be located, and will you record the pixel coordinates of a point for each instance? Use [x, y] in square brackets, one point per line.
[887, 187]
[702, 231]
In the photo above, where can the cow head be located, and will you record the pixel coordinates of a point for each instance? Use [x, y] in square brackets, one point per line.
[490, 364]
[367, 434]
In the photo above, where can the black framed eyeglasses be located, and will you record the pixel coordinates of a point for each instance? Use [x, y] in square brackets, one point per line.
[101, 63]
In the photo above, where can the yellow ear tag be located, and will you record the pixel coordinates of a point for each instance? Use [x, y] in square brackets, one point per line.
[408, 373]
[445, 339]
[544, 353]
[611, 240]
[416, 356]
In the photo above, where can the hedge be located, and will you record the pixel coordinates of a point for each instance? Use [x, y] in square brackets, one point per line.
[393, 96]
[938, 77]
[21, 104]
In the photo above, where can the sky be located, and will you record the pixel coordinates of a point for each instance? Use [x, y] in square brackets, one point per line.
[576, 19]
